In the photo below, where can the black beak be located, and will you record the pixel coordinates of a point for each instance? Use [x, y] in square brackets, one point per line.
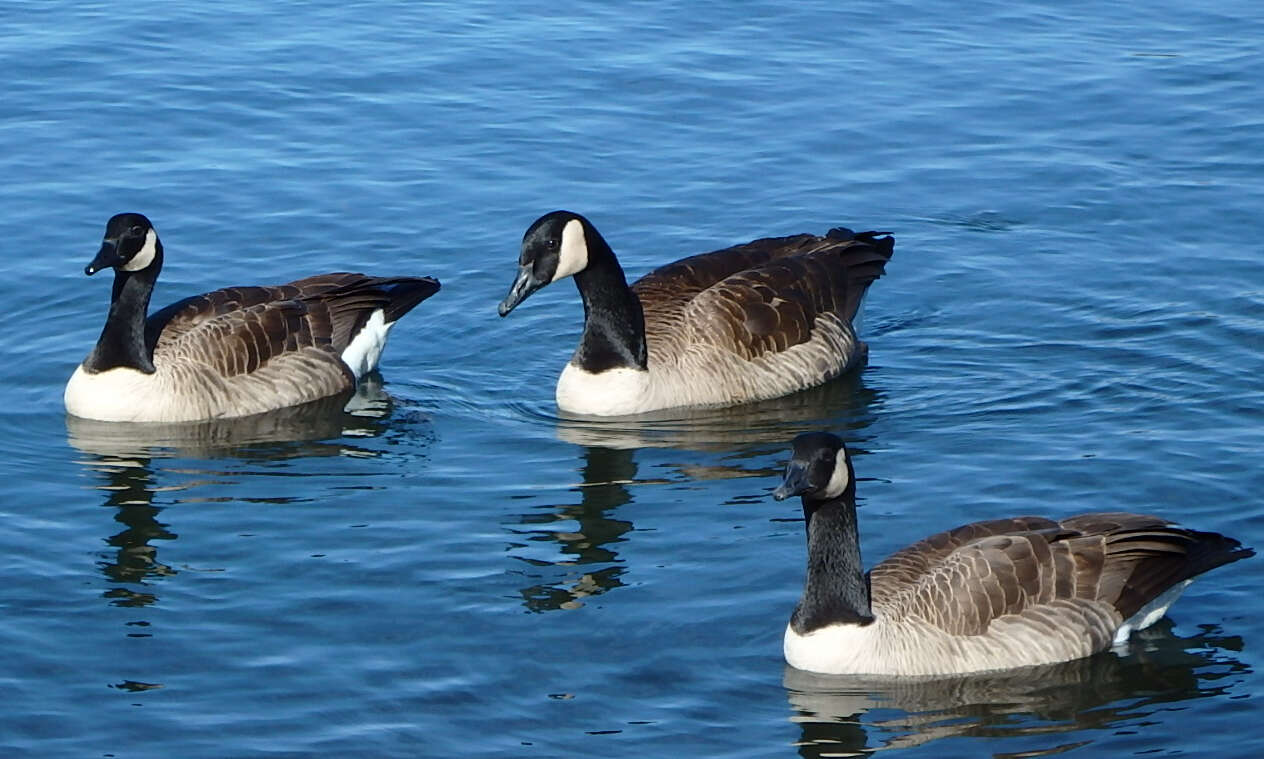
[794, 483]
[107, 257]
[523, 285]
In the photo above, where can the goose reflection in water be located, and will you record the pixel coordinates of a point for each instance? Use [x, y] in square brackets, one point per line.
[123, 456]
[589, 544]
[589, 565]
[130, 490]
[841, 404]
[312, 429]
[851, 716]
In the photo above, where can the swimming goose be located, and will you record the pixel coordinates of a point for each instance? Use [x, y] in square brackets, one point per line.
[988, 595]
[750, 322]
[231, 352]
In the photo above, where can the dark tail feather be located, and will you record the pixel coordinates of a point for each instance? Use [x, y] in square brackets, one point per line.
[351, 303]
[407, 292]
[866, 260]
[1165, 557]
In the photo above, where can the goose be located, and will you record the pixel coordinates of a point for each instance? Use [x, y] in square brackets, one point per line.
[747, 323]
[232, 352]
[989, 595]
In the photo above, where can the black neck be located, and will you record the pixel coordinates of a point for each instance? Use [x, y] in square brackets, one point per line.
[614, 324]
[837, 589]
[122, 342]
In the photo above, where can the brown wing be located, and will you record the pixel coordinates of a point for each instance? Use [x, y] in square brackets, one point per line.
[1004, 575]
[900, 571]
[1147, 555]
[680, 281]
[237, 330]
[245, 340]
[1091, 571]
[774, 300]
[166, 326]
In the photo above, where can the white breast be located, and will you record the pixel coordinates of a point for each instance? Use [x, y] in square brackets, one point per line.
[686, 372]
[110, 396]
[614, 392]
[835, 650]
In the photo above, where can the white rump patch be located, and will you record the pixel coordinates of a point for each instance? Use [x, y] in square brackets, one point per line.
[1151, 612]
[573, 256]
[614, 392]
[839, 479]
[145, 256]
[365, 350]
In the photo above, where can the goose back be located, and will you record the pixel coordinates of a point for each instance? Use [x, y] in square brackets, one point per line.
[987, 595]
[334, 307]
[749, 322]
[1019, 592]
[240, 351]
[816, 274]
[758, 320]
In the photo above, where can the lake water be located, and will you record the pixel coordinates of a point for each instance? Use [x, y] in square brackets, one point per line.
[1073, 320]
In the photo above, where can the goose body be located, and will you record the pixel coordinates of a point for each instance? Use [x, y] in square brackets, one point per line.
[747, 323]
[985, 596]
[232, 352]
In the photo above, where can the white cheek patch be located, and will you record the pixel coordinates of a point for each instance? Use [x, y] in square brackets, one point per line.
[839, 479]
[573, 257]
[145, 256]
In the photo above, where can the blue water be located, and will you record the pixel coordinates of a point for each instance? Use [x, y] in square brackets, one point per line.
[1074, 319]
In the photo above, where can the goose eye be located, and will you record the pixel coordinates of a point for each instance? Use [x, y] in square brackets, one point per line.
[136, 231]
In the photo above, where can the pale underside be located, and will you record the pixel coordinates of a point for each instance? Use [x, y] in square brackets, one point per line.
[1005, 593]
[686, 368]
[185, 389]
[245, 350]
[747, 323]
[1064, 630]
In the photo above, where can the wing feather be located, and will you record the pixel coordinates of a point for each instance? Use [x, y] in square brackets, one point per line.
[283, 341]
[1082, 576]
[764, 296]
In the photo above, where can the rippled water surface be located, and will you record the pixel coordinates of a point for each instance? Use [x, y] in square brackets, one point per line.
[1074, 319]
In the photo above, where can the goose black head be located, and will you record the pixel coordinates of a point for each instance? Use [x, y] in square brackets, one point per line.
[819, 468]
[130, 244]
[554, 247]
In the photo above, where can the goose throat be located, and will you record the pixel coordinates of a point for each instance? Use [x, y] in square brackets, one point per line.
[836, 590]
[122, 342]
[614, 322]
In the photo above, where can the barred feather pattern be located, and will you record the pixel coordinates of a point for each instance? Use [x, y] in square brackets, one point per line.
[758, 320]
[241, 351]
[1014, 592]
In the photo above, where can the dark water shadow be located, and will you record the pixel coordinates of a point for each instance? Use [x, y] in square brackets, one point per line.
[849, 716]
[306, 430]
[581, 560]
[129, 487]
[132, 464]
[840, 405]
[587, 563]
